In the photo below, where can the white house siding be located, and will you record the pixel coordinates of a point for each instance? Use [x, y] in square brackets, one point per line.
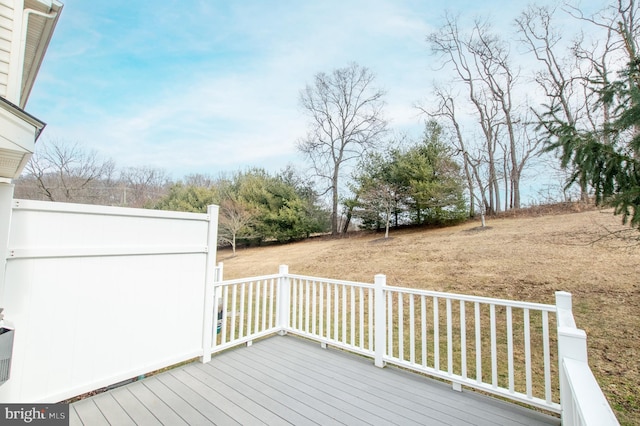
[6, 33]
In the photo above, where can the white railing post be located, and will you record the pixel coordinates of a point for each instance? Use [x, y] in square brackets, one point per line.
[380, 318]
[582, 401]
[564, 307]
[209, 280]
[568, 341]
[217, 305]
[572, 344]
[284, 302]
[219, 272]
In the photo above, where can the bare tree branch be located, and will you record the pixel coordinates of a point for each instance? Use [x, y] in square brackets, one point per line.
[346, 120]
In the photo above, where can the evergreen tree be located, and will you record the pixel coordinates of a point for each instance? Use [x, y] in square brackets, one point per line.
[608, 158]
[254, 205]
[437, 188]
[187, 198]
[418, 185]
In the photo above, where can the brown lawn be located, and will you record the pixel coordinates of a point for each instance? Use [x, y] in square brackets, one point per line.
[524, 258]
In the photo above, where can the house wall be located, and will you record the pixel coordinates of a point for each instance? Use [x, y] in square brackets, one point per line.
[6, 35]
[99, 294]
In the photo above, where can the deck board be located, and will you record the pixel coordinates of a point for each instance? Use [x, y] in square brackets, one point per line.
[178, 405]
[112, 410]
[310, 400]
[366, 407]
[88, 413]
[157, 405]
[251, 402]
[209, 408]
[281, 400]
[396, 386]
[288, 380]
[410, 406]
[134, 408]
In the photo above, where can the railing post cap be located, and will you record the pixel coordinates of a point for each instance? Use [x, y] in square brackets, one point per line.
[284, 269]
[563, 300]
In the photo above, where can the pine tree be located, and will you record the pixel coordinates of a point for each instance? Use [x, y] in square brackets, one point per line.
[607, 159]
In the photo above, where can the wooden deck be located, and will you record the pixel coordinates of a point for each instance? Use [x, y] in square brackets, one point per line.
[287, 380]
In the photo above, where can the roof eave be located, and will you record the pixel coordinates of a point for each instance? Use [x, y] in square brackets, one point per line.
[41, 41]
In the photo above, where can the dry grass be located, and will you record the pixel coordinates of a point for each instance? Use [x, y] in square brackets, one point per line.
[523, 258]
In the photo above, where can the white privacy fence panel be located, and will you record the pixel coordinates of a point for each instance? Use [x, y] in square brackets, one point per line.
[102, 294]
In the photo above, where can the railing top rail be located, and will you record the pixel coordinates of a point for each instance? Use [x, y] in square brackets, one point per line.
[591, 404]
[247, 280]
[407, 290]
[331, 281]
[470, 298]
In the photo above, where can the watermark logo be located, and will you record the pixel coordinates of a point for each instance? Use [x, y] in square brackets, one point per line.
[34, 414]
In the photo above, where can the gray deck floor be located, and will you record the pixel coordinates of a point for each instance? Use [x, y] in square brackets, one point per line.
[287, 380]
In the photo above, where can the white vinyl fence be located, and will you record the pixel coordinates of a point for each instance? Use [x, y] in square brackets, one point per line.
[527, 352]
[100, 294]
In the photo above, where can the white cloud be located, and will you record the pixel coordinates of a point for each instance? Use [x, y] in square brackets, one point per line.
[203, 86]
[233, 101]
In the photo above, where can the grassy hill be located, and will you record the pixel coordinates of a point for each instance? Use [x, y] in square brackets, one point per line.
[523, 258]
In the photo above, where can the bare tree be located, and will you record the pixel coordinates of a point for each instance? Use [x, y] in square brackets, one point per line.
[455, 50]
[575, 78]
[235, 221]
[142, 185]
[542, 39]
[446, 109]
[346, 119]
[66, 172]
[493, 62]
[604, 57]
[482, 64]
[561, 85]
[203, 180]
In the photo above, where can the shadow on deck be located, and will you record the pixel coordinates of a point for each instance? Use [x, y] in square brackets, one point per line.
[288, 380]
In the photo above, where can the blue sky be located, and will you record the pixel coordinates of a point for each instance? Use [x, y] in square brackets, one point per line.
[206, 86]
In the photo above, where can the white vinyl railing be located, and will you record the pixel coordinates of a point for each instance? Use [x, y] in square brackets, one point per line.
[583, 402]
[247, 309]
[495, 345]
[499, 346]
[339, 313]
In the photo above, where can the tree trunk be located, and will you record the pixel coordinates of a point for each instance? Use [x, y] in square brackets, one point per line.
[347, 221]
[386, 230]
[334, 205]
